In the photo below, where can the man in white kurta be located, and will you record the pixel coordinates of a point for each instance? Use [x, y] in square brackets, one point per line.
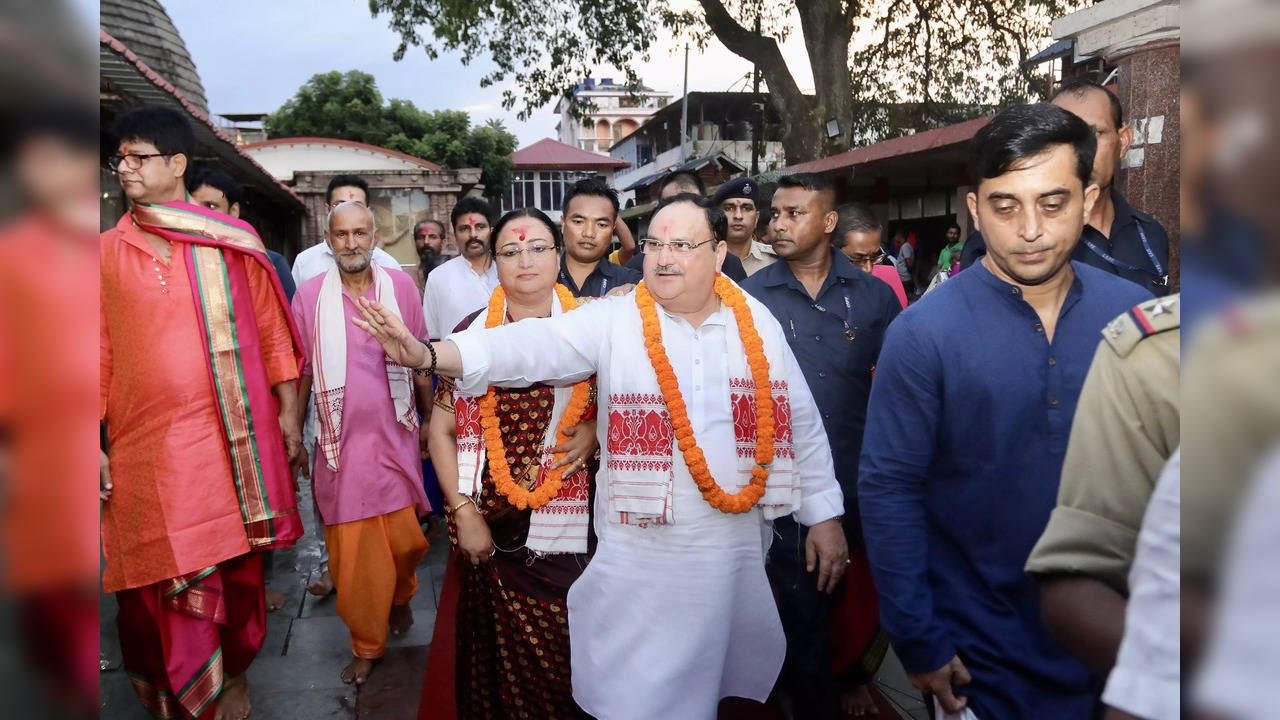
[671, 616]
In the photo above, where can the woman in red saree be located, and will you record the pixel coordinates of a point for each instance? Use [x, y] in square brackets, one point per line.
[511, 566]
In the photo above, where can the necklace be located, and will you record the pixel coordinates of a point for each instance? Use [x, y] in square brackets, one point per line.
[499, 468]
[747, 497]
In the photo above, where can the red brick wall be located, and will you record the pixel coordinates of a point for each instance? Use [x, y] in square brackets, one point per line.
[1148, 84]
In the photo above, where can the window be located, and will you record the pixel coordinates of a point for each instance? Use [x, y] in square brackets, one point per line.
[521, 192]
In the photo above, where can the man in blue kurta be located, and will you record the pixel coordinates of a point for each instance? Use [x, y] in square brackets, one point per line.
[968, 424]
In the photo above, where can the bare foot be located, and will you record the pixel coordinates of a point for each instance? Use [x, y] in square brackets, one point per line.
[323, 586]
[401, 619]
[275, 600]
[859, 703]
[233, 703]
[357, 672]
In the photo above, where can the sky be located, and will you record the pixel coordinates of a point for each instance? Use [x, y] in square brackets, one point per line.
[252, 56]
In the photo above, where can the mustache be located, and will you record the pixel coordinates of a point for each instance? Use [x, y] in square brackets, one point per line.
[668, 269]
[1033, 249]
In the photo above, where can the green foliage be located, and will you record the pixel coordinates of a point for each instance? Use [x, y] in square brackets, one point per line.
[349, 107]
[935, 55]
[947, 61]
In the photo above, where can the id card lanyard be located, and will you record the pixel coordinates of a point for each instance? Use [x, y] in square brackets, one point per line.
[1160, 278]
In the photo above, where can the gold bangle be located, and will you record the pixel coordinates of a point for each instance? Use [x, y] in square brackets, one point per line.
[465, 500]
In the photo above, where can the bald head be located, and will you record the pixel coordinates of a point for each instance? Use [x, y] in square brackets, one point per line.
[354, 208]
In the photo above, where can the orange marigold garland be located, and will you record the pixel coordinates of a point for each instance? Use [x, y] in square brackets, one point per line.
[747, 497]
[499, 469]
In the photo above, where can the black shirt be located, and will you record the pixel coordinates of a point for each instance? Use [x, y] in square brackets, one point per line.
[1125, 246]
[838, 369]
[605, 277]
[732, 267]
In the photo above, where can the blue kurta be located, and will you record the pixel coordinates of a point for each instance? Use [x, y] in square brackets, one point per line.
[966, 432]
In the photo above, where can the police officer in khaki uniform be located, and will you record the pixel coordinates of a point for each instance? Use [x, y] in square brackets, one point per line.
[1126, 427]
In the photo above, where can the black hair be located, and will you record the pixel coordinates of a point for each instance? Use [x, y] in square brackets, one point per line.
[1025, 131]
[531, 212]
[1078, 86]
[716, 219]
[687, 176]
[471, 204]
[953, 225]
[215, 178]
[593, 187]
[809, 181]
[164, 127]
[443, 231]
[854, 217]
[346, 181]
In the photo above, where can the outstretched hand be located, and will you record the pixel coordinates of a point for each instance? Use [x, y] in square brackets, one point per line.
[391, 333]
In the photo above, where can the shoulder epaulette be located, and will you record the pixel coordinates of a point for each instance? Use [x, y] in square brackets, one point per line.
[1143, 320]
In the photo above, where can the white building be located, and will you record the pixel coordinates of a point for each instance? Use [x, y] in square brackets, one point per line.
[617, 113]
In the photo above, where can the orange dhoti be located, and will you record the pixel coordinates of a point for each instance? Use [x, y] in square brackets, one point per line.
[373, 562]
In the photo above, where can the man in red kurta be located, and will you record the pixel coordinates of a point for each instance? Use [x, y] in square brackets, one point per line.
[199, 403]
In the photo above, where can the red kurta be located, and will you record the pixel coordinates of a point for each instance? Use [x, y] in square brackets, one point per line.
[174, 508]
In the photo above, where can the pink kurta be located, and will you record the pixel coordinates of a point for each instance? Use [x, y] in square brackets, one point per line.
[889, 274]
[379, 467]
[173, 508]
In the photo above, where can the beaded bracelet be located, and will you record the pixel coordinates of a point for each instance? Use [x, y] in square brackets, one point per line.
[431, 370]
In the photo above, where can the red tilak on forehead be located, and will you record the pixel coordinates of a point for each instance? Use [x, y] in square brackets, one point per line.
[663, 228]
[471, 219]
[519, 232]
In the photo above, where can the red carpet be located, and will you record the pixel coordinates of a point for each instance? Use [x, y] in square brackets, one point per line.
[438, 699]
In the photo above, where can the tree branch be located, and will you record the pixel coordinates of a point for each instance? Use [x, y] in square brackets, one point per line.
[762, 51]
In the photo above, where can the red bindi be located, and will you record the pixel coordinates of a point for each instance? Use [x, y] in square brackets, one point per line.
[519, 232]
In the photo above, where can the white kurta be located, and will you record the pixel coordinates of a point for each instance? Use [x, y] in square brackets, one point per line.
[454, 291]
[667, 619]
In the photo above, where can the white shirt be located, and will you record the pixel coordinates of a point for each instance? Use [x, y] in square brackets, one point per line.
[667, 619]
[1242, 660]
[317, 259]
[1145, 681]
[454, 291]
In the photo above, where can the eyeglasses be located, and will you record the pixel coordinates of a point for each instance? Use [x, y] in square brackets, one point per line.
[535, 251]
[872, 259]
[678, 247]
[132, 161]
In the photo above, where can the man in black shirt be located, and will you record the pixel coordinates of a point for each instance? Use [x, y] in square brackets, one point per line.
[590, 211]
[834, 317]
[687, 181]
[1118, 238]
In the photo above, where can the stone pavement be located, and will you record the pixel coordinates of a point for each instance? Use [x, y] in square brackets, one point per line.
[295, 676]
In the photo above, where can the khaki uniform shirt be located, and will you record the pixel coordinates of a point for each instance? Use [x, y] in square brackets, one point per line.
[758, 256]
[1232, 399]
[1126, 426]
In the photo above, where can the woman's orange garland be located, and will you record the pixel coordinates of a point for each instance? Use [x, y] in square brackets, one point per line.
[747, 497]
[499, 469]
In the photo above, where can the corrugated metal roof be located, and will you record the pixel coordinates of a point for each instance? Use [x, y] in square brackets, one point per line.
[906, 145]
[145, 27]
[121, 71]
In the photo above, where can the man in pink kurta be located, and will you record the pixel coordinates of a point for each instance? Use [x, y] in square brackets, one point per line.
[367, 473]
[381, 470]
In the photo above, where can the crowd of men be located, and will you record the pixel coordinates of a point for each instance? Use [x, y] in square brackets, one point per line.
[797, 467]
